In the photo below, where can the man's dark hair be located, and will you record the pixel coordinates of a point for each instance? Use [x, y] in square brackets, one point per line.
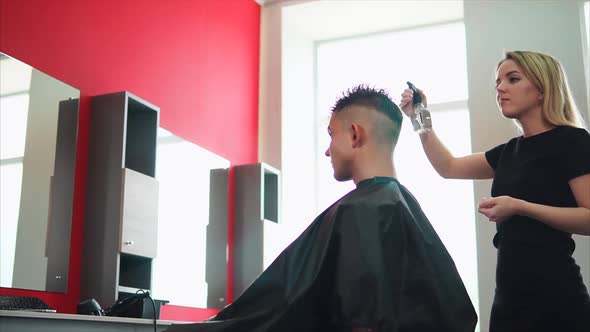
[377, 99]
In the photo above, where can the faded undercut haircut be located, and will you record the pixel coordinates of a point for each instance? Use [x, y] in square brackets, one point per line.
[378, 100]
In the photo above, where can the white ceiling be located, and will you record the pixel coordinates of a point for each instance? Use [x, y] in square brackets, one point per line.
[330, 19]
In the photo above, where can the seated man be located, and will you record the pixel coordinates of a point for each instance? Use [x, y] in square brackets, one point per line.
[371, 261]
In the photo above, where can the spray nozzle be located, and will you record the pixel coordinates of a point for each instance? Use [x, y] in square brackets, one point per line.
[416, 99]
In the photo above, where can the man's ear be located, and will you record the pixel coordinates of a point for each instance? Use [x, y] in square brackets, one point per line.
[359, 135]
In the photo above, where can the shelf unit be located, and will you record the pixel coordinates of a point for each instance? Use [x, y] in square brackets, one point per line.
[120, 229]
[256, 206]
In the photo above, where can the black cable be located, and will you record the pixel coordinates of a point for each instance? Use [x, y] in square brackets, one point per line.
[147, 294]
[153, 306]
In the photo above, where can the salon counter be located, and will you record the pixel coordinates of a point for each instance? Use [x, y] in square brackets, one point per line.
[25, 321]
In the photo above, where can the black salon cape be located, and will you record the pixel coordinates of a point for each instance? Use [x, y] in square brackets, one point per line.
[370, 260]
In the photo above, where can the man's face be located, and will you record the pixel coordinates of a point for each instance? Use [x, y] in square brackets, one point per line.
[340, 150]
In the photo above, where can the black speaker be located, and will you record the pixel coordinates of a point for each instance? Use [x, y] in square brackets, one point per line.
[136, 306]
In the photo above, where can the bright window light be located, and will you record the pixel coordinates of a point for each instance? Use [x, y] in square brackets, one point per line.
[14, 108]
[319, 64]
[387, 60]
[11, 179]
[13, 125]
[183, 174]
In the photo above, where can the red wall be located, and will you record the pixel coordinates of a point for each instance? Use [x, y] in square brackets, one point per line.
[195, 59]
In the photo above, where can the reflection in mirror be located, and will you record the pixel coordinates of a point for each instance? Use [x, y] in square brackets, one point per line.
[183, 173]
[38, 129]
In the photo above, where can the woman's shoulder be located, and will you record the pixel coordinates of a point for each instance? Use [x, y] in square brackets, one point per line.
[570, 130]
[510, 144]
[559, 134]
[576, 134]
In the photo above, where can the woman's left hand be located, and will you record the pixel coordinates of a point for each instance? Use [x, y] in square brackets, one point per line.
[500, 208]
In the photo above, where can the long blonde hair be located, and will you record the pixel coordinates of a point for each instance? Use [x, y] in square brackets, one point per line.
[547, 74]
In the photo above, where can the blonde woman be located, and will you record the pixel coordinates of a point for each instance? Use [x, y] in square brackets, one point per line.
[540, 196]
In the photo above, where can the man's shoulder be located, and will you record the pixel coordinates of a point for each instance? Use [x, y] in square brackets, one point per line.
[375, 201]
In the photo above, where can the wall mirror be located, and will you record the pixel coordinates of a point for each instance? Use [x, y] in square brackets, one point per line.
[38, 129]
[183, 171]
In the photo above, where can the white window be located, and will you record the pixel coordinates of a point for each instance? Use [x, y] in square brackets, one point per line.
[376, 60]
[319, 66]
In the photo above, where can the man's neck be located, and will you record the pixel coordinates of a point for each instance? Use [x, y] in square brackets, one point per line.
[373, 169]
